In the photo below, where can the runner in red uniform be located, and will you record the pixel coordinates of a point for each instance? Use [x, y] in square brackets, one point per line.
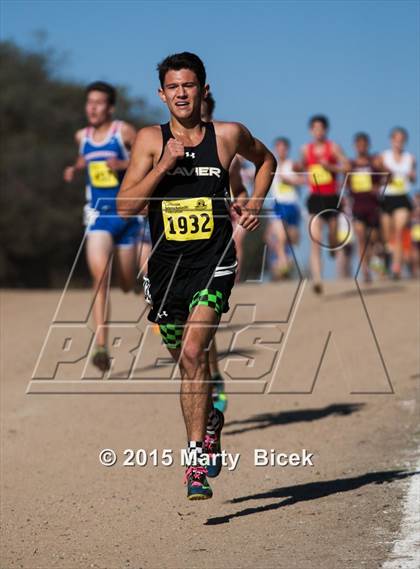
[322, 160]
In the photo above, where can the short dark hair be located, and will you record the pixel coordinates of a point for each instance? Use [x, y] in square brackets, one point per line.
[211, 104]
[184, 60]
[400, 129]
[362, 136]
[282, 139]
[103, 87]
[320, 118]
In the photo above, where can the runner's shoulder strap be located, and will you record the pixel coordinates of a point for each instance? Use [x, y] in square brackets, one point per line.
[166, 133]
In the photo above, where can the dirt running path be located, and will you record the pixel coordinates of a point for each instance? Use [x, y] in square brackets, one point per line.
[62, 509]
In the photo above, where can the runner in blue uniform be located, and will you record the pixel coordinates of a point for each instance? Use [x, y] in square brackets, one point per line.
[104, 152]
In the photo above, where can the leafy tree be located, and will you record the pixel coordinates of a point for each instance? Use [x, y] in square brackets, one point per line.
[41, 216]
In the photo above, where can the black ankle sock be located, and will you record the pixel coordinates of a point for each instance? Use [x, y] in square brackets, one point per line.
[217, 379]
[213, 422]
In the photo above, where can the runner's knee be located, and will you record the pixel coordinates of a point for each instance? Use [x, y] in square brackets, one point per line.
[193, 354]
[100, 281]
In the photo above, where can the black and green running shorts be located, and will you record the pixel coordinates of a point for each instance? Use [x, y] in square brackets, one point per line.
[176, 290]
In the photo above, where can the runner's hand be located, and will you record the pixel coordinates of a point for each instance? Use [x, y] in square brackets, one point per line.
[68, 174]
[248, 219]
[174, 150]
[115, 164]
[325, 164]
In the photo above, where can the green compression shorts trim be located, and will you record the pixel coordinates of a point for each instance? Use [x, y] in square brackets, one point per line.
[171, 334]
[206, 298]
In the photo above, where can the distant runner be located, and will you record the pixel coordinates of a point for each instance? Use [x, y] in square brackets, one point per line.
[104, 151]
[363, 185]
[396, 204]
[284, 228]
[323, 160]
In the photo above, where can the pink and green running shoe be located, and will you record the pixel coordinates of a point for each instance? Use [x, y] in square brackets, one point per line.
[198, 487]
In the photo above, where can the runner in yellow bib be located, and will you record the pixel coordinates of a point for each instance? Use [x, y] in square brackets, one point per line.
[283, 229]
[363, 185]
[396, 204]
[191, 279]
[103, 152]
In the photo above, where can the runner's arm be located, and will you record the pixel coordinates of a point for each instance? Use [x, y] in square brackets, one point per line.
[300, 165]
[236, 185]
[142, 176]
[254, 150]
[384, 174]
[293, 179]
[349, 169]
[80, 162]
[412, 176]
[342, 165]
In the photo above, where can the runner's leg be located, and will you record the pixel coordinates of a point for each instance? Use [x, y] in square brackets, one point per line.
[195, 370]
[386, 230]
[363, 247]
[293, 232]
[400, 219]
[386, 227]
[280, 247]
[125, 262]
[214, 366]
[315, 223]
[99, 257]
[332, 231]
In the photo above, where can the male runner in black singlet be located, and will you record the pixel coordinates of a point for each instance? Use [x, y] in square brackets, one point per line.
[181, 170]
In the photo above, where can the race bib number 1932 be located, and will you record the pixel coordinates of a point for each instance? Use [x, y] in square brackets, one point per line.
[188, 219]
